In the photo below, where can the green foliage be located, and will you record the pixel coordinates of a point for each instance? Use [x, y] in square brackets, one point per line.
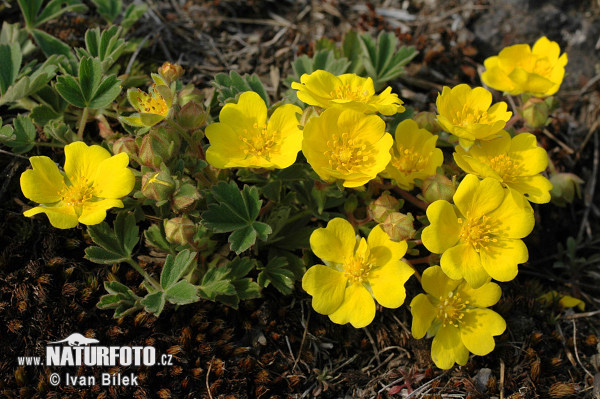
[20, 139]
[133, 13]
[230, 86]
[228, 284]
[35, 16]
[277, 273]
[381, 60]
[323, 59]
[10, 64]
[106, 46]
[120, 298]
[13, 34]
[236, 211]
[51, 107]
[90, 89]
[109, 9]
[59, 131]
[114, 245]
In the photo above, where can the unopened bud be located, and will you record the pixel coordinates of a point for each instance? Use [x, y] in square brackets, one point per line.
[191, 116]
[437, 187]
[126, 145]
[158, 186]
[158, 146]
[185, 198]
[170, 72]
[399, 226]
[564, 188]
[308, 113]
[180, 230]
[535, 111]
[379, 209]
[428, 121]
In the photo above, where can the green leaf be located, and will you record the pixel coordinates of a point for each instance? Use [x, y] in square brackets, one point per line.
[68, 87]
[246, 289]
[352, 50]
[126, 231]
[22, 138]
[115, 287]
[109, 9]
[6, 133]
[154, 303]
[55, 8]
[90, 73]
[175, 268]
[110, 301]
[155, 237]
[132, 14]
[107, 45]
[277, 273]
[236, 212]
[230, 86]
[103, 256]
[51, 45]
[10, 64]
[181, 293]
[109, 89]
[239, 267]
[29, 85]
[216, 282]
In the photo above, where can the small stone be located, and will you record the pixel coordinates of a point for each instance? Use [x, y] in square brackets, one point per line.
[482, 378]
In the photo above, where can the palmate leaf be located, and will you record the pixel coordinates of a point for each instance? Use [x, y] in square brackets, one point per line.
[228, 284]
[236, 211]
[53, 9]
[20, 139]
[114, 245]
[107, 45]
[109, 9]
[277, 273]
[229, 86]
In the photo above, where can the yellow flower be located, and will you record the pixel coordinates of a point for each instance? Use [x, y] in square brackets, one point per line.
[466, 113]
[456, 316]
[565, 301]
[414, 156]
[347, 145]
[521, 69]
[92, 182]
[481, 236]
[151, 107]
[349, 90]
[515, 162]
[244, 138]
[355, 271]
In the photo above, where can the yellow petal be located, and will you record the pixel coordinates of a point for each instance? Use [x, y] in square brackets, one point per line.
[249, 110]
[113, 179]
[60, 216]
[226, 149]
[387, 283]
[546, 48]
[514, 216]
[478, 198]
[482, 297]
[531, 158]
[437, 283]
[357, 308]
[43, 183]
[478, 328]
[500, 259]
[423, 314]
[383, 249]
[95, 212]
[447, 348]
[326, 286]
[444, 230]
[335, 242]
[462, 261]
[83, 161]
[535, 188]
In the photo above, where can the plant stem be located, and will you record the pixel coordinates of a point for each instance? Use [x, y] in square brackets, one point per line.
[144, 274]
[82, 122]
[411, 198]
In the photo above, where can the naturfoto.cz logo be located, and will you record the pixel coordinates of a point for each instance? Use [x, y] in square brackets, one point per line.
[78, 350]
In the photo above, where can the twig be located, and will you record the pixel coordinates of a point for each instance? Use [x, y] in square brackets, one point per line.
[577, 354]
[373, 345]
[207, 381]
[411, 198]
[589, 196]
[11, 154]
[425, 386]
[301, 342]
[581, 315]
[568, 149]
[511, 101]
[136, 53]
[501, 379]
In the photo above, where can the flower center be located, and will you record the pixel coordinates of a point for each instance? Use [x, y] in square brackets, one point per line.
[406, 160]
[358, 266]
[346, 155]
[345, 92]
[504, 166]
[259, 140]
[450, 310]
[468, 116]
[153, 104]
[478, 232]
[78, 193]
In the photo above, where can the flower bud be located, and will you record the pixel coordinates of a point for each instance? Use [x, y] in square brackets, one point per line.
[185, 198]
[437, 187]
[535, 111]
[308, 113]
[170, 72]
[126, 145]
[180, 230]
[428, 121]
[158, 186]
[379, 209]
[158, 146]
[564, 188]
[399, 226]
[191, 116]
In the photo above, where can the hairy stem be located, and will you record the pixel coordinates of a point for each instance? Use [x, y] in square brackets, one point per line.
[144, 274]
[82, 123]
